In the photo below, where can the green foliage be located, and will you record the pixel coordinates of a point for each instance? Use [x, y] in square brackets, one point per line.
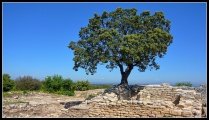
[16, 102]
[53, 83]
[6, 94]
[25, 91]
[90, 97]
[105, 86]
[82, 85]
[8, 83]
[56, 84]
[27, 83]
[184, 84]
[64, 92]
[122, 38]
[67, 84]
[95, 87]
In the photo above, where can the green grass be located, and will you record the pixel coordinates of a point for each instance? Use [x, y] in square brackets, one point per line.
[17, 102]
[11, 93]
[6, 94]
[91, 96]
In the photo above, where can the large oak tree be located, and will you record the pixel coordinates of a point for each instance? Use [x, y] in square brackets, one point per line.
[122, 38]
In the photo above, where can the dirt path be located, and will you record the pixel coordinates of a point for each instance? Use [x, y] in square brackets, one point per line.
[38, 104]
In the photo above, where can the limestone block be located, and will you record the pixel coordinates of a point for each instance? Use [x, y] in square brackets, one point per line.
[189, 102]
[197, 96]
[175, 112]
[155, 112]
[166, 111]
[151, 115]
[174, 88]
[159, 116]
[196, 112]
[186, 113]
[101, 103]
[144, 116]
[135, 116]
[110, 94]
[144, 102]
[134, 101]
[112, 103]
[204, 110]
[165, 85]
[179, 90]
[181, 105]
[96, 100]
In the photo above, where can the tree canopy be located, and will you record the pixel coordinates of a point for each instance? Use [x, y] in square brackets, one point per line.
[122, 38]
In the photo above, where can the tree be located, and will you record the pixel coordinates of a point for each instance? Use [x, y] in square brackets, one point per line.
[27, 83]
[122, 38]
[8, 83]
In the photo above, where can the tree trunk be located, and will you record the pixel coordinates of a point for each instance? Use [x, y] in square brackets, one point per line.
[124, 79]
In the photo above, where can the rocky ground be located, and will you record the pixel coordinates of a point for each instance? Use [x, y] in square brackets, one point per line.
[39, 105]
[45, 105]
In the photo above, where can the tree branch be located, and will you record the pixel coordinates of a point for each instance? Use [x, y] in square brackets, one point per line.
[121, 68]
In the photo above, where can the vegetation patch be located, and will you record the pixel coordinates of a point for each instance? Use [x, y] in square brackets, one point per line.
[184, 84]
[16, 102]
[90, 97]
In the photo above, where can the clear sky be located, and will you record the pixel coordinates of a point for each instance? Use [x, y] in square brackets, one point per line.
[36, 36]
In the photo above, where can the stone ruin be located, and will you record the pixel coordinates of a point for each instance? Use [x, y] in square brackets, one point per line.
[122, 101]
[144, 101]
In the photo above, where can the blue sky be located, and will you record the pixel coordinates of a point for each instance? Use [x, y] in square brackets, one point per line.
[36, 36]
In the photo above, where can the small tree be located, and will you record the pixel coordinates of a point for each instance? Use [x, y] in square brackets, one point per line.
[82, 85]
[27, 83]
[8, 83]
[122, 38]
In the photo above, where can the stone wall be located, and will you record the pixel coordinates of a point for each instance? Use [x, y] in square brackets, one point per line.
[152, 101]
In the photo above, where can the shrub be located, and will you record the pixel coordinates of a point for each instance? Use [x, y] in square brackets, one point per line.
[52, 83]
[27, 83]
[90, 97]
[8, 83]
[67, 84]
[95, 87]
[184, 84]
[56, 84]
[82, 85]
[105, 86]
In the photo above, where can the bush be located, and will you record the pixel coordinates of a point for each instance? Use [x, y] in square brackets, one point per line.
[82, 85]
[67, 84]
[184, 84]
[56, 84]
[105, 86]
[8, 83]
[27, 83]
[95, 87]
[52, 83]
[90, 97]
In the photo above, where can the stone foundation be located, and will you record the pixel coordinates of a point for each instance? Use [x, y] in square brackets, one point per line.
[152, 101]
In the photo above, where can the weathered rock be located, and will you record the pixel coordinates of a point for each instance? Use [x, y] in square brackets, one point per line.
[155, 101]
[165, 85]
[123, 92]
